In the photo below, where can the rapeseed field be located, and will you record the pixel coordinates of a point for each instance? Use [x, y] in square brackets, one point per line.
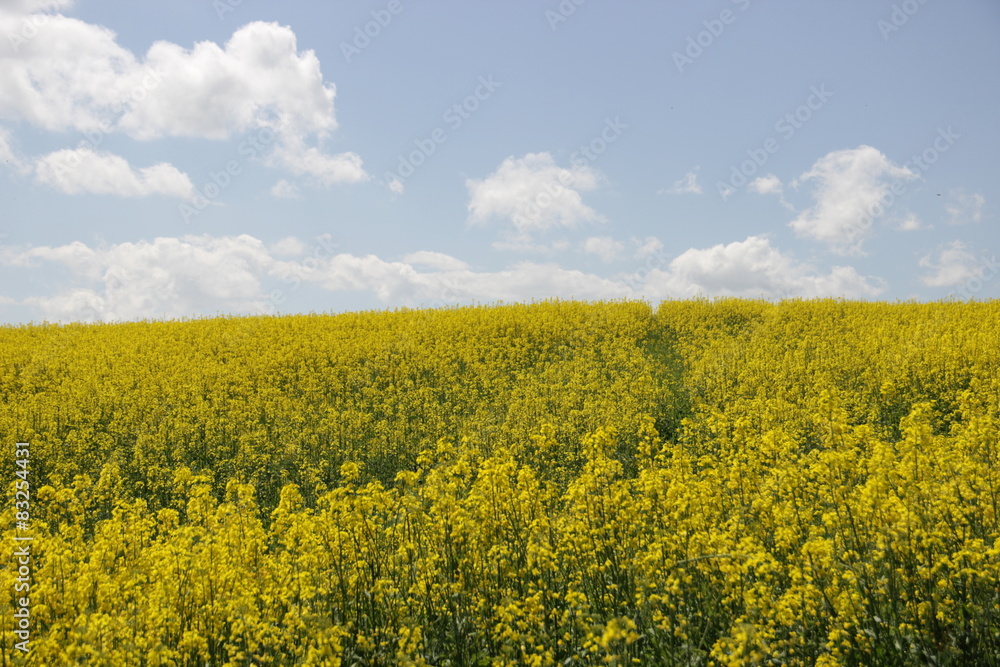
[709, 482]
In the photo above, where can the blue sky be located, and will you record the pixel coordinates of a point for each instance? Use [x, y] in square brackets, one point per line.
[190, 158]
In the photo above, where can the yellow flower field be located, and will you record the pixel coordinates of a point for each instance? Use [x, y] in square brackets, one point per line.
[722, 482]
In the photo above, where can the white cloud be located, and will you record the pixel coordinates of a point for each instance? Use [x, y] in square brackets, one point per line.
[67, 75]
[749, 268]
[258, 79]
[766, 185]
[964, 207]
[83, 170]
[435, 260]
[396, 186]
[752, 268]
[167, 277]
[300, 159]
[604, 247]
[77, 256]
[849, 187]
[954, 264]
[533, 194]
[284, 190]
[72, 75]
[172, 277]
[686, 185]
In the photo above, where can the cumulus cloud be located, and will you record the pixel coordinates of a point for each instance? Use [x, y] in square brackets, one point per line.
[851, 188]
[165, 277]
[171, 277]
[65, 74]
[258, 79]
[751, 268]
[951, 265]
[83, 170]
[72, 75]
[604, 247]
[687, 185]
[533, 193]
[964, 207]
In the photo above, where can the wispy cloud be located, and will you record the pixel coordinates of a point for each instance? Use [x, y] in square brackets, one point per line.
[687, 185]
